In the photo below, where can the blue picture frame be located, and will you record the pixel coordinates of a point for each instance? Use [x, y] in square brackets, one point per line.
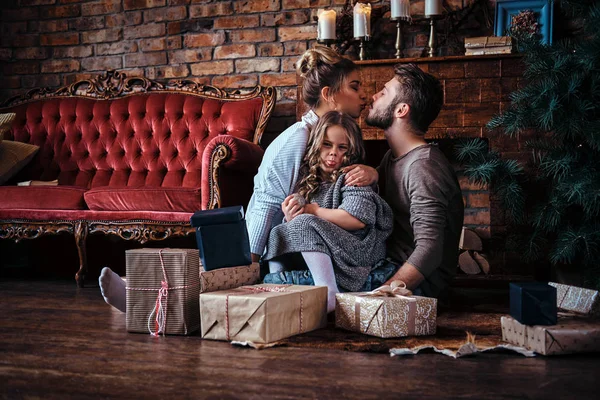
[507, 9]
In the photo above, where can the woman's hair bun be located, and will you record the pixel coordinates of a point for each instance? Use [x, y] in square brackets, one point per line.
[312, 57]
[307, 62]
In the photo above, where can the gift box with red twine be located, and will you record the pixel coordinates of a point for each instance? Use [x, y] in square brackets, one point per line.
[163, 286]
[262, 313]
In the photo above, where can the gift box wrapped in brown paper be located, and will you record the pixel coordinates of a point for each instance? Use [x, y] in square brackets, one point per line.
[229, 278]
[570, 335]
[262, 313]
[162, 291]
[577, 300]
[385, 314]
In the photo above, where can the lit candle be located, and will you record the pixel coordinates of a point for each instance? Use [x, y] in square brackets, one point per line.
[400, 9]
[362, 20]
[433, 7]
[326, 26]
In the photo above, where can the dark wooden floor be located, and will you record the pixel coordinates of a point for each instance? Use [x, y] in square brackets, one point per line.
[57, 341]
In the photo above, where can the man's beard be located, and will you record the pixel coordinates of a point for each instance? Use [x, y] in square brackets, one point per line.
[381, 119]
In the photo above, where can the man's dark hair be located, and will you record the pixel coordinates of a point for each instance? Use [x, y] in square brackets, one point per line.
[422, 92]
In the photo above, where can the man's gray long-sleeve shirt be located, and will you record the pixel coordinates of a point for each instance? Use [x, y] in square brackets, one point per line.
[422, 189]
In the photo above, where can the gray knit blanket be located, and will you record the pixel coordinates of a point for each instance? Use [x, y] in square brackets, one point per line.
[353, 253]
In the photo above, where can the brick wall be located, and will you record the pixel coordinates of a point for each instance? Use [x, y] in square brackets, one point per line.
[233, 44]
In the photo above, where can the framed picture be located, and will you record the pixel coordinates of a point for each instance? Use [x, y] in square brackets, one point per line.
[507, 9]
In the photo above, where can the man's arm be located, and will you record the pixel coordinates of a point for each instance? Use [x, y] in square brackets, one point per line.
[409, 275]
[360, 175]
[428, 214]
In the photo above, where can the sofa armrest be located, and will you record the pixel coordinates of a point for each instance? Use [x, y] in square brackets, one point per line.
[228, 168]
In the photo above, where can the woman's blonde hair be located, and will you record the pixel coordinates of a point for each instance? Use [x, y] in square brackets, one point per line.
[310, 174]
[321, 67]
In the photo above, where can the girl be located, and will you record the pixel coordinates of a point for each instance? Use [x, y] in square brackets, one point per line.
[342, 229]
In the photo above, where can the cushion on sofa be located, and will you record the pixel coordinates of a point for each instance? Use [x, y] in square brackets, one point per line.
[89, 215]
[5, 121]
[13, 157]
[111, 198]
[42, 197]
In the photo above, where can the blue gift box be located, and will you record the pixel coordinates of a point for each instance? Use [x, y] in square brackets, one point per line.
[222, 237]
[533, 303]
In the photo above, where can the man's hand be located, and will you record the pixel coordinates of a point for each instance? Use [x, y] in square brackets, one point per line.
[291, 208]
[408, 274]
[360, 175]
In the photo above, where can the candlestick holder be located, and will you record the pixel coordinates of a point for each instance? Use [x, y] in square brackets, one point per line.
[326, 42]
[433, 40]
[399, 38]
[362, 52]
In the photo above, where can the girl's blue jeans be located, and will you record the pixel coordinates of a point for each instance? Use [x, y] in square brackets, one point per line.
[382, 271]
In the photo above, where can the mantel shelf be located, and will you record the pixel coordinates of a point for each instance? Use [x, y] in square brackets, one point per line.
[437, 59]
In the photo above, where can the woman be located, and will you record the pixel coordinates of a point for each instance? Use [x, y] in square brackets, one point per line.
[330, 82]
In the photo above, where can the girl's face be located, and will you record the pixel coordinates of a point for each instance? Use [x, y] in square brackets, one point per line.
[351, 98]
[334, 147]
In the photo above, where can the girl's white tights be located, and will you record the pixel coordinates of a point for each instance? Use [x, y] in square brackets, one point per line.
[321, 268]
[113, 289]
[276, 266]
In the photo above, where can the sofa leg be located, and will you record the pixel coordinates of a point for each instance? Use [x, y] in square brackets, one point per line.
[81, 232]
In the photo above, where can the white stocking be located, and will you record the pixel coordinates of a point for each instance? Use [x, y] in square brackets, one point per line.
[113, 289]
[276, 266]
[321, 268]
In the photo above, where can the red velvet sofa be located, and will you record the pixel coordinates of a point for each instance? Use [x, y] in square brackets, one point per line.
[133, 157]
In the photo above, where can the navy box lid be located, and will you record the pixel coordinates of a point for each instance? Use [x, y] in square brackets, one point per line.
[217, 216]
[533, 303]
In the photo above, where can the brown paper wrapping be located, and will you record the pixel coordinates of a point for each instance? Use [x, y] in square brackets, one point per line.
[229, 278]
[386, 316]
[263, 316]
[570, 335]
[144, 277]
[576, 299]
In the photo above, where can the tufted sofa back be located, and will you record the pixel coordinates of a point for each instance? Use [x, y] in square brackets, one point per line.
[151, 138]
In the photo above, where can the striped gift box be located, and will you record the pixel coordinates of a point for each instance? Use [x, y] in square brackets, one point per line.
[163, 286]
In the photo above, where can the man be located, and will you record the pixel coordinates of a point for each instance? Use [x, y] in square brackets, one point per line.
[418, 182]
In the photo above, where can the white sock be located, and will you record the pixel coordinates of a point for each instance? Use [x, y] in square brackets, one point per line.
[113, 289]
[275, 266]
[321, 268]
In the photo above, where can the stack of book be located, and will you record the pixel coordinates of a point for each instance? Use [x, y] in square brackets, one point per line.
[477, 46]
